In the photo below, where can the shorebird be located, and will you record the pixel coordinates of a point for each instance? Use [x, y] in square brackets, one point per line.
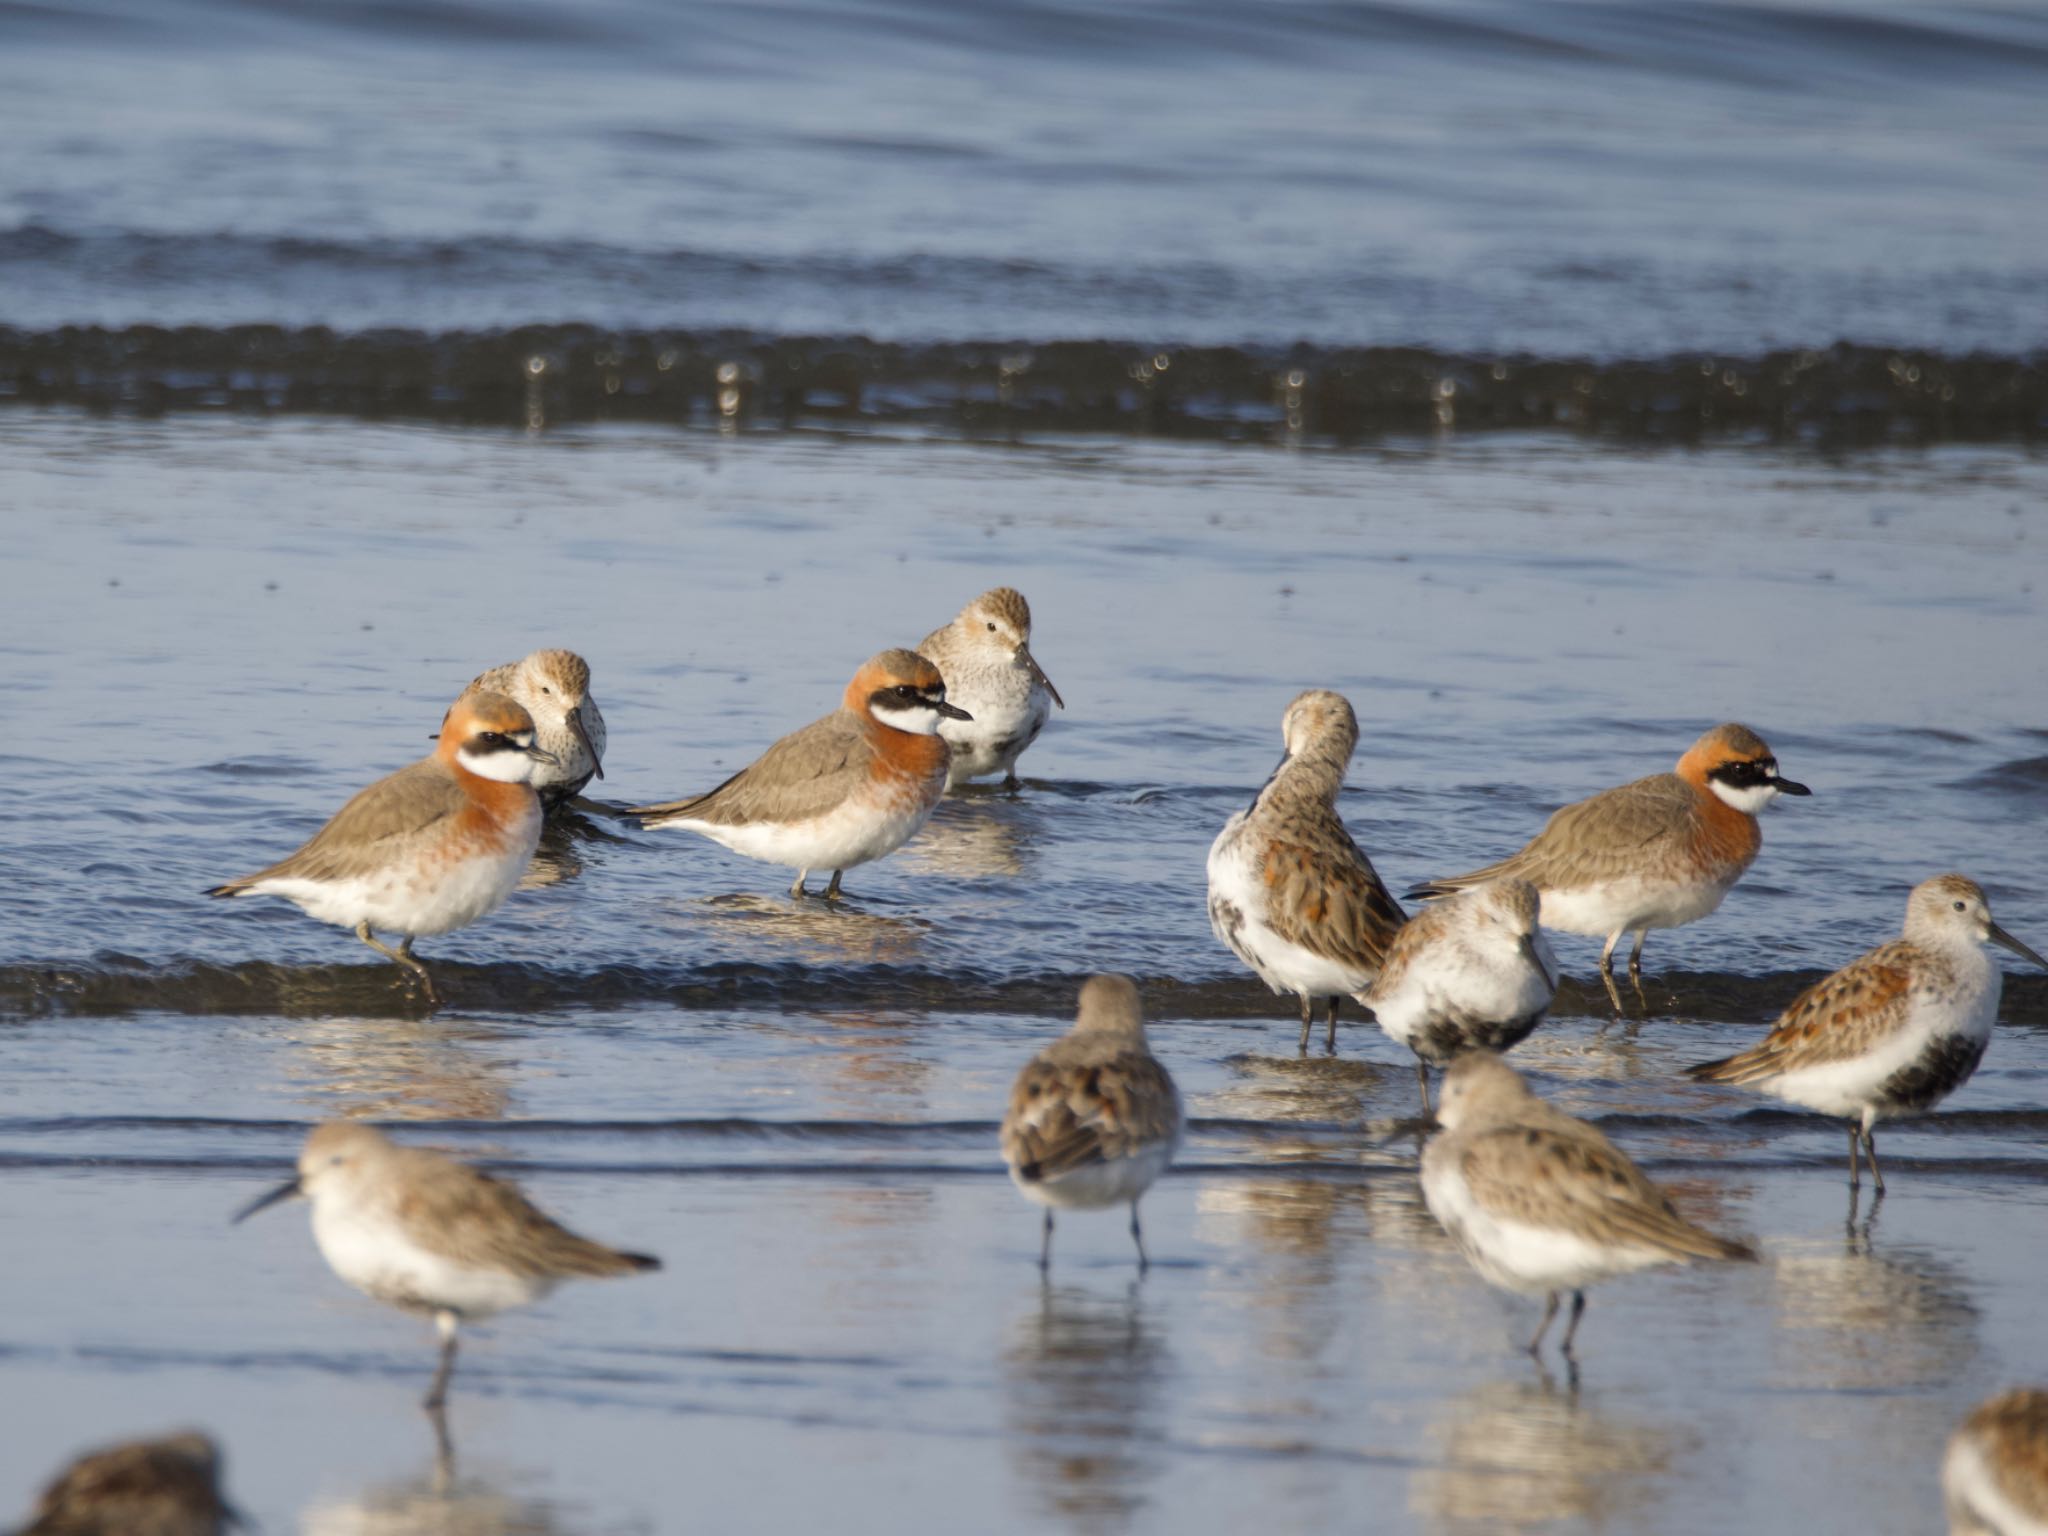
[843, 790]
[554, 688]
[1541, 1203]
[423, 1232]
[985, 657]
[1994, 1479]
[1895, 1031]
[1657, 853]
[167, 1487]
[1469, 972]
[1094, 1118]
[1289, 891]
[431, 848]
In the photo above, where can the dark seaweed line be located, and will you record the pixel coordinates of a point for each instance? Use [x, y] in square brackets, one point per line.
[113, 988]
[545, 375]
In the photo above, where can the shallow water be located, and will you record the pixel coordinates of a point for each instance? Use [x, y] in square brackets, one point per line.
[235, 624]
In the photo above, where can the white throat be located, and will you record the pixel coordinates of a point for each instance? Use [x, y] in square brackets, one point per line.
[916, 721]
[505, 767]
[1749, 801]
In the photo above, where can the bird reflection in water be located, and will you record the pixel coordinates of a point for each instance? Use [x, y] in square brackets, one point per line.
[974, 837]
[559, 856]
[775, 928]
[1518, 1454]
[1084, 1381]
[402, 1069]
[437, 1503]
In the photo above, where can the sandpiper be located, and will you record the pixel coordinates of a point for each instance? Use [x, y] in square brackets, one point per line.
[1289, 891]
[426, 1233]
[167, 1487]
[1895, 1031]
[1541, 1203]
[431, 848]
[1469, 972]
[985, 656]
[554, 688]
[1994, 1479]
[1094, 1119]
[1657, 853]
[843, 790]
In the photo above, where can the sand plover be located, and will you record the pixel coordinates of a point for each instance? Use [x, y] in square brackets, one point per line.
[1094, 1119]
[423, 1232]
[843, 790]
[985, 656]
[1657, 853]
[1542, 1203]
[1895, 1031]
[554, 688]
[1289, 891]
[167, 1487]
[1994, 1479]
[431, 848]
[1469, 972]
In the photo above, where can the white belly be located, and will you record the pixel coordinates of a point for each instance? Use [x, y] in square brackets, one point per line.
[374, 1255]
[1099, 1185]
[1978, 1505]
[1847, 1088]
[408, 901]
[1617, 906]
[1515, 1255]
[1237, 914]
[1007, 719]
[1451, 986]
[852, 834]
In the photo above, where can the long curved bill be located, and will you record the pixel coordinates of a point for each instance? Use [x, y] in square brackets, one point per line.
[283, 1192]
[1031, 665]
[576, 729]
[2004, 940]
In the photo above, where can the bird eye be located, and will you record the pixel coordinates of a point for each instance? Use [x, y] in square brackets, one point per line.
[1959, 906]
[544, 688]
[991, 629]
[491, 739]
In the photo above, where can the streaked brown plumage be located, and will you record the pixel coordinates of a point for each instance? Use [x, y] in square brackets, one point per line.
[1290, 892]
[553, 686]
[1994, 1477]
[1094, 1118]
[166, 1487]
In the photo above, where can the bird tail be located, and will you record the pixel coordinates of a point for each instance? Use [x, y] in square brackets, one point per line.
[1743, 1067]
[239, 887]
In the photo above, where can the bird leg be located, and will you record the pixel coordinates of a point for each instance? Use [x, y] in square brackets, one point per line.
[1308, 1019]
[1855, 1146]
[1549, 1311]
[1422, 1077]
[1635, 958]
[437, 1394]
[1137, 1237]
[1870, 1151]
[1607, 969]
[1331, 1043]
[402, 956]
[1571, 1328]
[832, 889]
[1045, 1244]
[1011, 782]
[798, 889]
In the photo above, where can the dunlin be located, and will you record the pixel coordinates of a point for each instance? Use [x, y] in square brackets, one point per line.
[1542, 1203]
[843, 790]
[167, 1487]
[985, 656]
[1895, 1031]
[1657, 853]
[1469, 972]
[554, 688]
[1289, 891]
[1094, 1119]
[1994, 1479]
[432, 848]
[421, 1231]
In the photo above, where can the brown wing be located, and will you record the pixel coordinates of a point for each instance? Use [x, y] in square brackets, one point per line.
[363, 834]
[1411, 939]
[1065, 1116]
[476, 1219]
[803, 775]
[154, 1486]
[1579, 1181]
[1838, 1017]
[1593, 839]
[1324, 895]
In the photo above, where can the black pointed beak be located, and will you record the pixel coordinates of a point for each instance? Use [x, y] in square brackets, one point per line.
[576, 729]
[1788, 787]
[1535, 958]
[283, 1192]
[2004, 940]
[951, 711]
[541, 754]
[1031, 665]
